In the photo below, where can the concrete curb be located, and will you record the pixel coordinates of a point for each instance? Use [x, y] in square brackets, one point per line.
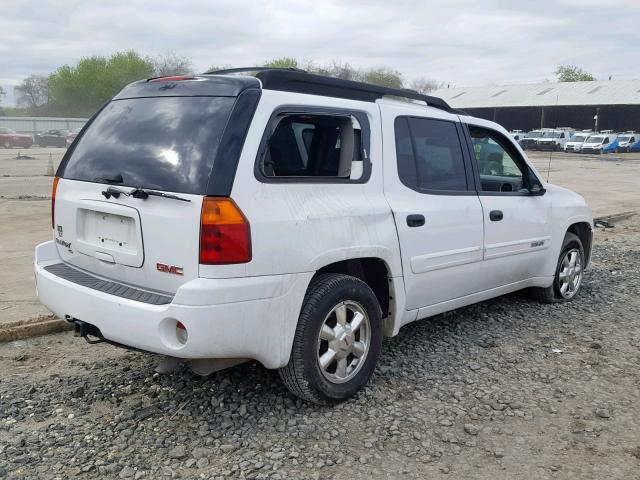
[34, 327]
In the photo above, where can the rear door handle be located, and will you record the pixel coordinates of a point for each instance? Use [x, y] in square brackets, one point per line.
[495, 215]
[415, 220]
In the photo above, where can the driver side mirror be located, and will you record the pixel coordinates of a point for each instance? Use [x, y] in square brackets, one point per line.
[536, 189]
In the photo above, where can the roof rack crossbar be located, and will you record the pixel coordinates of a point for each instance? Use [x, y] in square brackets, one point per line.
[300, 81]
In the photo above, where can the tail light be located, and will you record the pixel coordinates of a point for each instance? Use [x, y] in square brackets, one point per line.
[225, 236]
[53, 202]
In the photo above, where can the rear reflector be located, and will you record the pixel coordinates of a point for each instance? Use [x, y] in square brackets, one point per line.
[53, 202]
[181, 333]
[225, 236]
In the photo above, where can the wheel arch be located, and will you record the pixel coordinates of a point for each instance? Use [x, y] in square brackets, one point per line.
[584, 232]
[377, 274]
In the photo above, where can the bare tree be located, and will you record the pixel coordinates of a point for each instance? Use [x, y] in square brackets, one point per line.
[425, 85]
[224, 66]
[2, 93]
[33, 92]
[171, 64]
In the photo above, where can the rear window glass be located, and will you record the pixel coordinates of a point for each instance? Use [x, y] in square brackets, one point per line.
[164, 143]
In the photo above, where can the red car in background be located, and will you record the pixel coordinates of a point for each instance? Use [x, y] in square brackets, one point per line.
[10, 139]
[72, 136]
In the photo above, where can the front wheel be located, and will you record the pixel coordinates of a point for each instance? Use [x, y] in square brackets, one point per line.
[569, 273]
[337, 342]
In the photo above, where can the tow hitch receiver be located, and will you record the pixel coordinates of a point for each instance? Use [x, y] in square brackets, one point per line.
[89, 332]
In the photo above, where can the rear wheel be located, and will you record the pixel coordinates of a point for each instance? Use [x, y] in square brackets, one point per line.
[337, 342]
[569, 273]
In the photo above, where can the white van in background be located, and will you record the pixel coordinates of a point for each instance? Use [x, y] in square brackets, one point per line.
[626, 141]
[575, 142]
[598, 143]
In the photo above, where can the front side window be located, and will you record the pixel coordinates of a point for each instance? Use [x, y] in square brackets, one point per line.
[429, 155]
[306, 145]
[499, 167]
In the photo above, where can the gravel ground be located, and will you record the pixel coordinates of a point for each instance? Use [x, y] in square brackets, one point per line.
[505, 389]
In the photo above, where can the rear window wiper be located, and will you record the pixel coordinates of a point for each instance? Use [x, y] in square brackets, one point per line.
[140, 193]
[113, 179]
[144, 194]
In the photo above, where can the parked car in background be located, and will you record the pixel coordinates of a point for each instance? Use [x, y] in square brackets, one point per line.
[529, 140]
[553, 139]
[598, 143]
[72, 136]
[576, 141]
[626, 141]
[10, 138]
[295, 219]
[517, 135]
[52, 138]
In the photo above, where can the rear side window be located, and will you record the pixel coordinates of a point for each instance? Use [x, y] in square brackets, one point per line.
[163, 143]
[429, 155]
[309, 145]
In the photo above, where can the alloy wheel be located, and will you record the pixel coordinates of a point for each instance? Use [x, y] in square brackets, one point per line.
[570, 273]
[343, 342]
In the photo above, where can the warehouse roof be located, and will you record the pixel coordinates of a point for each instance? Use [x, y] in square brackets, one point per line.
[612, 92]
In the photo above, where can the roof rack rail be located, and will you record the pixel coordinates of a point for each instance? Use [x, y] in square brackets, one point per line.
[300, 81]
[227, 71]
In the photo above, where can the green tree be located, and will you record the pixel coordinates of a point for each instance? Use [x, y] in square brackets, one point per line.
[33, 92]
[82, 89]
[282, 62]
[571, 73]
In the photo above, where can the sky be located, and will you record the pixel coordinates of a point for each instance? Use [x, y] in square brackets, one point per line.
[458, 42]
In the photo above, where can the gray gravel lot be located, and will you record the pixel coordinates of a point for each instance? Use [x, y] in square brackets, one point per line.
[505, 389]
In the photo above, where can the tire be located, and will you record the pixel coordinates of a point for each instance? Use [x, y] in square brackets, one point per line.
[557, 292]
[303, 375]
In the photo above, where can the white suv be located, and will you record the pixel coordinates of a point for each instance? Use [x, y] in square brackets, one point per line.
[295, 219]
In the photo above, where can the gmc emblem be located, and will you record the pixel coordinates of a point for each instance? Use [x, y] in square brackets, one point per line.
[162, 267]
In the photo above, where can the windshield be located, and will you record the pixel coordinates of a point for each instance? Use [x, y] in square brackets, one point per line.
[551, 135]
[578, 138]
[163, 143]
[624, 138]
[595, 140]
[6, 130]
[534, 135]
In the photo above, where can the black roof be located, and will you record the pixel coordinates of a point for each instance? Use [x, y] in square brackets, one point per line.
[219, 86]
[299, 81]
[222, 83]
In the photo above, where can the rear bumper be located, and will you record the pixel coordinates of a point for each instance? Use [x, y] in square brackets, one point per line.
[250, 317]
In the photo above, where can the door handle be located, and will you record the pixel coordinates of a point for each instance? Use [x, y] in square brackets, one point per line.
[415, 220]
[495, 215]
